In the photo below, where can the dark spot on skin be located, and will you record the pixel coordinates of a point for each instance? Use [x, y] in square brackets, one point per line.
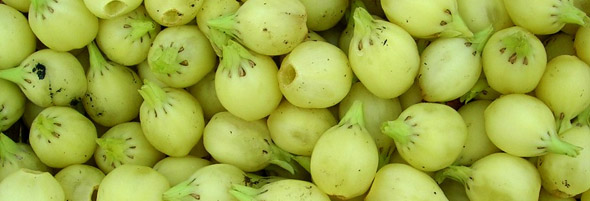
[502, 50]
[74, 102]
[512, 58]
[265, 29]
[184, 63]
[264, 152]
[241, 72]
[40, 70]
[349, 127]
[443, 23]
[126, 26]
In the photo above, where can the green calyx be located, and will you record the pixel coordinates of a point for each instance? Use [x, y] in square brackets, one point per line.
[244, 193]
[363, 23]
[218, 39]
[97, 61]
[398, 130]
[235, 58]
[152, 94]
[181, 191]
[354, 115]
[478, 88]
[39, 6]
[557, 146]
[584, 117]
[518, 42]
[224, 24]
[140, 27]
[385, 156]
[460, 174]
[569, 13]
[114, 148]
[480, 38]
[165, 60]
[15, 75]
[456, 28]
[281, 158]
[8, 150]
[46, 127]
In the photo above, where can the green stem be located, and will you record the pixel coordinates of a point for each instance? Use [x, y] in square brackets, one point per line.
[398, 130]
[257, 181]
[569, 13]
[224, 24]
[557, 146]
[97, 61]
[363, 23]
[152, 94]
[244, 193]
[563, 124]
[456, 28]
[180, 192]
[15, 75]
[460, 174]
[8, 148]
[353, 6]
[281, 158]
[385, 156]
[518, 42]
[113, 147]
[218, 39]
[164, 59]
[584, 117]
[140, 27]
[479, 86]
[481, 38]
[354, 115]
[304, 161]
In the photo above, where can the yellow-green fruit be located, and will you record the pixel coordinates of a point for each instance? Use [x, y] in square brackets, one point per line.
[178, 169]
[61, 136]
[133, 183]
[322, 15]
[18, 41]
[79, 182]
[12, 104]
[398, 182]
[62, 25]
[28, 185]
[107, 9]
